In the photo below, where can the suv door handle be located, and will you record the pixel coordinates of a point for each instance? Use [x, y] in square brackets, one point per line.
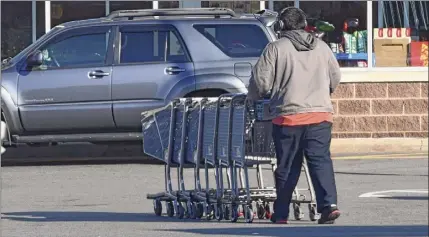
[174, 70]
[97, 74]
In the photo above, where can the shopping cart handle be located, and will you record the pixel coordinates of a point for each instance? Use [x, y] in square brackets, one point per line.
[145, 114]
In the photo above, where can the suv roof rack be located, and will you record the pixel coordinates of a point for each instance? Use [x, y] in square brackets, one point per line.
[217, 12]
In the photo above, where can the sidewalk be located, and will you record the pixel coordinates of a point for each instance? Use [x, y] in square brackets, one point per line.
[379, 145]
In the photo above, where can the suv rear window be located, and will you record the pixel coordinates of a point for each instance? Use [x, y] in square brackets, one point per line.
[236, 40]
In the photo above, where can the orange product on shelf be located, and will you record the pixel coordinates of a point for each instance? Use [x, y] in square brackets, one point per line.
[419, 53]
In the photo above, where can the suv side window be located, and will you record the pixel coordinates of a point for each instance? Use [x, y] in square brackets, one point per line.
[236, 40]
[76, 50]
[150, 46]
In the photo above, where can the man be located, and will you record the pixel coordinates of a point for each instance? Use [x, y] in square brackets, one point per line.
[299, 72]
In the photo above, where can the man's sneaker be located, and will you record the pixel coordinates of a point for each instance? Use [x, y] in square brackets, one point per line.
[329, 215]
[275, 220]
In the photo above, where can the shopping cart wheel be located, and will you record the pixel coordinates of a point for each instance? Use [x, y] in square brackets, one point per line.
[170, 209]
[297, 211]
[209, 211]
[260, 211]
[218, 212]
[314, 216]
[226, 212]
[267, 211]
[199, 210]
[180, 210]
[248, 214]
[191, 210]
[234, 213]
[157, 207]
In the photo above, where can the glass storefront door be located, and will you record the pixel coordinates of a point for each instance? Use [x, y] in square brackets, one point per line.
[16, 33]
[62, 11]
[237, 6]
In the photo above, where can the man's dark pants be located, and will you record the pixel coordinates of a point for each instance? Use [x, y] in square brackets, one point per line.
[292, 143]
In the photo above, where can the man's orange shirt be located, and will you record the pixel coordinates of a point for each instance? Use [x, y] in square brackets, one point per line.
[303, 119]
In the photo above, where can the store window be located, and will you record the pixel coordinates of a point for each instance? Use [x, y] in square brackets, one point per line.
[62, 11]
[401, 33]
[237, 6]
[344, 26]
[16, 33]
[236, 40]
[168, 4]
[40, 16]
[129, 5]
[280, 5]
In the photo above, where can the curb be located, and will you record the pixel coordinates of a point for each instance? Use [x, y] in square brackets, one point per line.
[377, 145]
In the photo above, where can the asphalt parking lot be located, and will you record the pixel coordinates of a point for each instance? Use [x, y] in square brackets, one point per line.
[110, 201]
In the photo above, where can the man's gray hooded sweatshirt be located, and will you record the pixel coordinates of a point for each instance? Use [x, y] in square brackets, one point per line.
[298, 72]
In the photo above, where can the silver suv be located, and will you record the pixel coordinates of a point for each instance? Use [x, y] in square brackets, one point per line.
[89, 81]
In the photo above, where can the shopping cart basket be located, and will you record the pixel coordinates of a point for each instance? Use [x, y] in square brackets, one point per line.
[173, 134]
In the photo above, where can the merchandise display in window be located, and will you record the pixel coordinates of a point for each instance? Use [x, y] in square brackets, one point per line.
[352, 51]
[401, 33]
[342, 25]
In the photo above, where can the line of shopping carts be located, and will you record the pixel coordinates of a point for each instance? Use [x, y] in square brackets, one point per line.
[223, 137]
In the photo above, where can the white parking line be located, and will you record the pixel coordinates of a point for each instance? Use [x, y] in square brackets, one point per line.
[382, 193]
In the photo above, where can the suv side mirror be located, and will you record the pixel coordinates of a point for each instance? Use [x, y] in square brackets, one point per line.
[35, 59]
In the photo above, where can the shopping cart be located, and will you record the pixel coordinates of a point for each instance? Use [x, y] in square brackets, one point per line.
[165, 137]
[174, 135]
[233, 111]
[222, 134]
[157, 129]
[223, 129]
[261, 151]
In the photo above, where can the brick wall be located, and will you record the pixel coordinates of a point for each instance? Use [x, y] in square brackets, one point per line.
[378, 110]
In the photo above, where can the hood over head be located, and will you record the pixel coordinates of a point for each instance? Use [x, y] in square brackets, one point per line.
[301, 39]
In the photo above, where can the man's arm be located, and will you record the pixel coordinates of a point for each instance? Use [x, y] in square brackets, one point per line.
[334, 72]
[263, 73]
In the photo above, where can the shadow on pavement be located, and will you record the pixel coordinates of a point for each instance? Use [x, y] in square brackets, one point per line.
[315, 231]
[241, 230]
[73, 154]
[70, 216]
